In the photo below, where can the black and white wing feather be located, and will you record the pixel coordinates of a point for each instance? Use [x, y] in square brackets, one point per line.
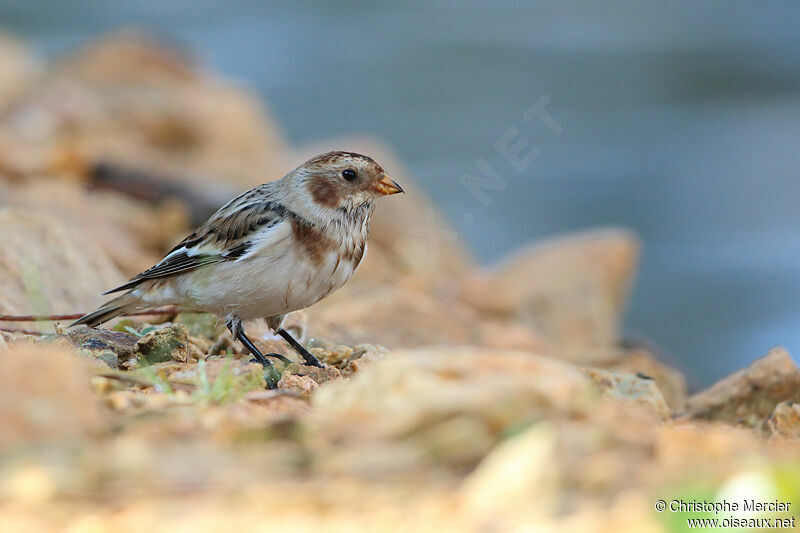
[226, 236]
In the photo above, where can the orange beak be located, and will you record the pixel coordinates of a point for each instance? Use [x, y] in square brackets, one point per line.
[387, 186]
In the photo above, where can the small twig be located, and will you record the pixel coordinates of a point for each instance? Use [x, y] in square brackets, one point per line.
[136, 379]
[24, 331]
[75, 316]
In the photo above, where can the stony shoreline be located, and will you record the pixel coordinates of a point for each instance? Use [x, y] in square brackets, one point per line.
[455, 397]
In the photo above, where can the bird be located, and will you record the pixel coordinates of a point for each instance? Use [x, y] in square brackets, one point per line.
[276, 248]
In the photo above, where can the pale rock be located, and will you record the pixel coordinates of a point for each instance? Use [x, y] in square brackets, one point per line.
[572, 290]
[748, 396]
[47, 268]
[670, 381]
[784, 422]
[410, 403]
[630, 389]
[130, 232]
[702, 450]
[336, 355]
[521, 474]
[44, 397]
[279, 402]
[320, 375]
[403, 317]
[132, 101]
[18, 67]
[303, 385]
[364, 355]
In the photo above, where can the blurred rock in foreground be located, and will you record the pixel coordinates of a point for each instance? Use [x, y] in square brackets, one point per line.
[44, 398]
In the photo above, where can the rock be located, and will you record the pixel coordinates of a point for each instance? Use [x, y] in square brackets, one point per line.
[108, 357]
[634, 360]
[46, 268]
[392, 316]
[439, 406]
[701, 451]
[18, 66]
[303, 385]
[44, 397]
[133, 101]
[320, 375]
[222, 378]
[604, 450]
[127, 57]
[670, 381]
[402, 317]
[519, 474]
[784, 422]
[349, 359]
[131, 233]
[630, 389]
[751, 394]
[107, 345]
[163, 343]
[363, 355]
[508, 335]
[433, 379]
[279, 402]
[336, 355]
[572, 289]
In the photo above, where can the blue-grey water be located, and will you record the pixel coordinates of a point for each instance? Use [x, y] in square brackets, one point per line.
[678, 119]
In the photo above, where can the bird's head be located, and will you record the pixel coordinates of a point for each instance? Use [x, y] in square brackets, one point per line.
[336, 180]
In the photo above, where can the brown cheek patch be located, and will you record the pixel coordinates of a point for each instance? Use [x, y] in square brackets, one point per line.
[311, 243]
[325, 192]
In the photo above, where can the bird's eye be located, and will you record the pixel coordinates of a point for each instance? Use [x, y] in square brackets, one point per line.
[349, 174]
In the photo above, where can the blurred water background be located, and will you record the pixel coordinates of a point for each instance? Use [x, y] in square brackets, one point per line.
[679, 119]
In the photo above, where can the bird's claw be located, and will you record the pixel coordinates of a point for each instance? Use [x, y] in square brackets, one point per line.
[282, 358]
[315, 363]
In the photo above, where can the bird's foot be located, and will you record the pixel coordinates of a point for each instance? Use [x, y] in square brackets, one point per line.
[312, 361]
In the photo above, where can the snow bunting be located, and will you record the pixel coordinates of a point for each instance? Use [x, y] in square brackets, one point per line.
[277, 248]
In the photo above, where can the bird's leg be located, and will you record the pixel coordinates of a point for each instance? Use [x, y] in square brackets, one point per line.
[236, 328]
[309, 358]
[238, 332]
[261, 357]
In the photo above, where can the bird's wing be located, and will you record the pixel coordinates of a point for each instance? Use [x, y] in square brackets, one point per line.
[226, 236]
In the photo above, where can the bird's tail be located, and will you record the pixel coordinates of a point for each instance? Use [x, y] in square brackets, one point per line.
[111, 309]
